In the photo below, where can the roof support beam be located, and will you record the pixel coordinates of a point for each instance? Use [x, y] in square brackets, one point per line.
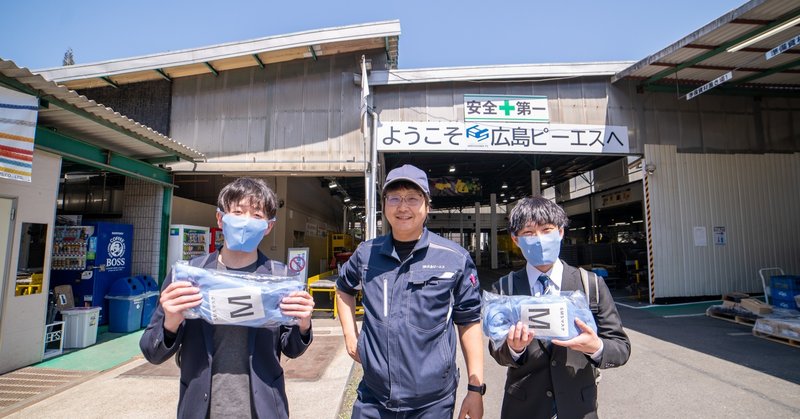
[79, 151]
[163, 74]
[211, 68]
[681, 90]
[721, 48]
[110, 82]
[258, 61]
[386, 47]
[769, 72]
[313, 53]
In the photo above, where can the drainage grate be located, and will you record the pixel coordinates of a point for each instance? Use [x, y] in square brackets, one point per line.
[23, 386]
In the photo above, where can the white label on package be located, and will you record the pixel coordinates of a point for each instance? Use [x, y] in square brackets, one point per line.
[235, 305]
[546, 319]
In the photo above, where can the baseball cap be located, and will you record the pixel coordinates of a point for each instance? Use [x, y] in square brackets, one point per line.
[408, 173]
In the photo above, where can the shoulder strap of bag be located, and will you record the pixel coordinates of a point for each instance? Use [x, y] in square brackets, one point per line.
[590, 288]
[505, 286]
[200, 262]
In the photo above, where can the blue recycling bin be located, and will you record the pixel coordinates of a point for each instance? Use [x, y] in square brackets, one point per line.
[151, 293]
[125, 304]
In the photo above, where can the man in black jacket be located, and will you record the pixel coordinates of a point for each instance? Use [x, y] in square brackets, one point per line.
[230, 371]
[559, 379]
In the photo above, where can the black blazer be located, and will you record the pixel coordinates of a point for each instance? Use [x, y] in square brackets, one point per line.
[195, 339]
[541, 375]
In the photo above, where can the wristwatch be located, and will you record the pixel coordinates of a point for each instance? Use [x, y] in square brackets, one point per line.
[478, 389]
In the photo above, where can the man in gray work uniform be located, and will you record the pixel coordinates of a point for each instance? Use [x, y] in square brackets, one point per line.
[417, 286]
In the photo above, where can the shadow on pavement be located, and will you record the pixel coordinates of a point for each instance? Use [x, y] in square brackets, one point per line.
[722, 339]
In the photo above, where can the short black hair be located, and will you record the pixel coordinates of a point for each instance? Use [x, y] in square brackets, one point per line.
[256, 191]
[537, 210]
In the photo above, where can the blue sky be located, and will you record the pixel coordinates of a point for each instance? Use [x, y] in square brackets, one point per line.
[36, 33]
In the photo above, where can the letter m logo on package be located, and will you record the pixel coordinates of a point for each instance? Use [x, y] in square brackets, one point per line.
[546, 319]
[235, 305]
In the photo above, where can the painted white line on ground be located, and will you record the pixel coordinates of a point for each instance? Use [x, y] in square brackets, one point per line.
[684, 315]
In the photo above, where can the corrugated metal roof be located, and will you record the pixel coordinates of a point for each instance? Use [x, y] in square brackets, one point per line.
[84, 119]
[704, 55]
[496, 72]
[251, 53]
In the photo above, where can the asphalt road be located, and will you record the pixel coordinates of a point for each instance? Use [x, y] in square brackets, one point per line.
[688, 367]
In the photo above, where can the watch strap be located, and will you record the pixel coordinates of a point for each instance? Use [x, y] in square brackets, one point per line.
[478, 389]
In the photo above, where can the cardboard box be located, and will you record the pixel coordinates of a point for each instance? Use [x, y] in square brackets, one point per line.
[756, 306]
[731, 305]
[734, 297]
[64, 298]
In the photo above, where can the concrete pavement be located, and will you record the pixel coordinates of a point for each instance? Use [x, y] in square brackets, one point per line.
[686, 366]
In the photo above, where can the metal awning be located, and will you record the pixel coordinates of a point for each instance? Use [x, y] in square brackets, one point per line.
[515, 72]
[737, 42]
[213, 59]
[69, 114]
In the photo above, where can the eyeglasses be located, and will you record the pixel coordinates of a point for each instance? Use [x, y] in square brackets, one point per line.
[411, 201]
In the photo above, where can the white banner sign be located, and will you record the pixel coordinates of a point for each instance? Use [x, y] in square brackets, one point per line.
[479, 108]
[18, 113]
[502, 137]
[710, 85]
[783, 47]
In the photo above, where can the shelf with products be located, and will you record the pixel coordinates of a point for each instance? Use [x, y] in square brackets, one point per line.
[70, 247]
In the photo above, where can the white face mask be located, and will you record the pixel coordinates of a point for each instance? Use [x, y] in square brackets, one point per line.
[243, 234]
[541, 250]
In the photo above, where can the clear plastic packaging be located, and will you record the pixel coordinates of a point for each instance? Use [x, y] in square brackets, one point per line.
[240, 298]
[549, 316]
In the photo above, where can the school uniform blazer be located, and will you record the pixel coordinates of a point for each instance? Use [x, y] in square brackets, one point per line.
[542, 375]
[195, 340]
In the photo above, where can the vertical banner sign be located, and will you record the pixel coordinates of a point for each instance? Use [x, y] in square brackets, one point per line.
[18, 113]
[297, 261]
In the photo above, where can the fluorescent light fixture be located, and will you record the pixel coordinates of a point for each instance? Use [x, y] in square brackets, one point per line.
[780, 28]
[505, 201]
[333, 184]
[544, 183]
[513, 197]
[347, 199]
[548, 170]
[502, 194]
[505, 186]
[352, 207]
[452, 168]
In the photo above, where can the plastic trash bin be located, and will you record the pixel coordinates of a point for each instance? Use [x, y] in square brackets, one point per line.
[80, 326]
[151, 293]
[125, 304]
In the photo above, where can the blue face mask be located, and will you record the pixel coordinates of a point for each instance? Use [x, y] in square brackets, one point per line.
[541, 250]
[243, 234]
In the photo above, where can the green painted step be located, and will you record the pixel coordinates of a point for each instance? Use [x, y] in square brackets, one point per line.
[681, 309]
[111, 350]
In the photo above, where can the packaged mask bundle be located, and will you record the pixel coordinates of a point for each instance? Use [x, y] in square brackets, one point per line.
[549, 316]
[238, 298]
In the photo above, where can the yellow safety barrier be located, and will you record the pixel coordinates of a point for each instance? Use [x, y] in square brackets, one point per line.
[326, 283]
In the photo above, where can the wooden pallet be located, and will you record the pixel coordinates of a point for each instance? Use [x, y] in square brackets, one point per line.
[732, 318]
[780, 339]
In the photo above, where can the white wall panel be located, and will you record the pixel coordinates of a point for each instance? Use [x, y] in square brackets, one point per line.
[755, 197]
[23, 317]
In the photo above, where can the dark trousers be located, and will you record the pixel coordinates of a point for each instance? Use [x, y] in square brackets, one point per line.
[367, 407]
